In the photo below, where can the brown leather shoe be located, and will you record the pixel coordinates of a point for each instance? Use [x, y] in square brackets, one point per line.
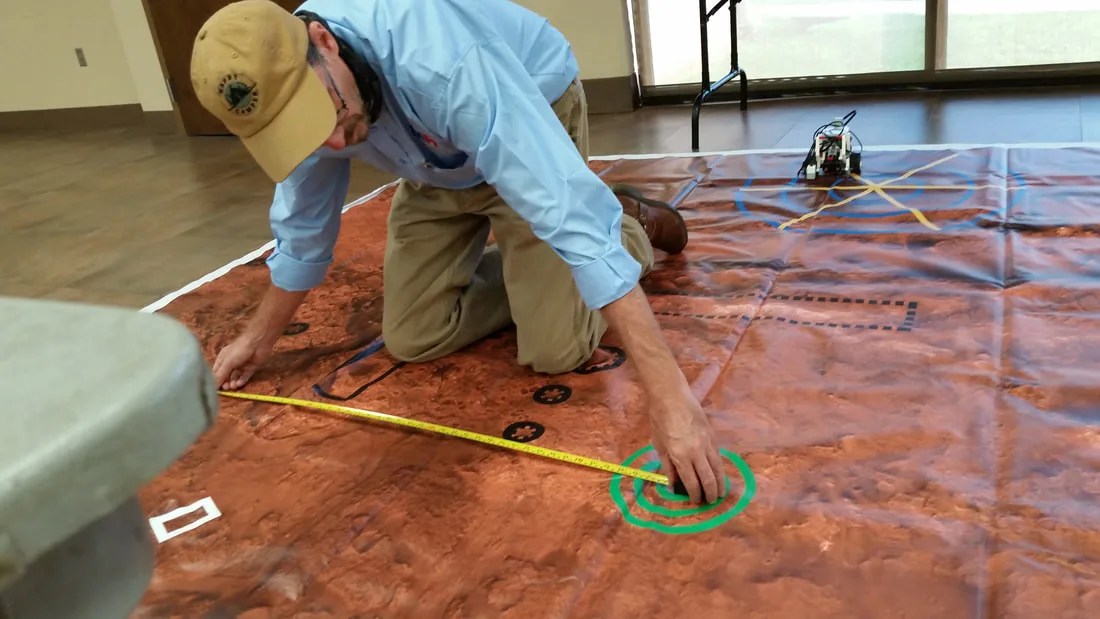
[663, 224]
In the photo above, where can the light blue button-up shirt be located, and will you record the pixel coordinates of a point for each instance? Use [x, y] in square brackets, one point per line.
[467, 91]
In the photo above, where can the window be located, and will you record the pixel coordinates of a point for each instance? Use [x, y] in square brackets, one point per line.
[983, 33]
[787, 38]
[866, 41]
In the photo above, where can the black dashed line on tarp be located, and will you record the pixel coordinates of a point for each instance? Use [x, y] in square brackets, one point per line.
[906, 325]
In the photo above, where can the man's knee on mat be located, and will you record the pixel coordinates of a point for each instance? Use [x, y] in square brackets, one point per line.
[407, 345]
[549, 360]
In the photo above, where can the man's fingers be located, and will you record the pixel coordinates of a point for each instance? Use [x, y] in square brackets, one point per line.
[670, 470]
[239, 377]
[220, 373]
[242, 375]
[223, 379]
[226, 367]
[707, 480]
[715, 462]
[688, 477]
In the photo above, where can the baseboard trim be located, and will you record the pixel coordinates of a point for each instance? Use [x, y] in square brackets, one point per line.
[72, 119]
[97, 117]
[611, 95]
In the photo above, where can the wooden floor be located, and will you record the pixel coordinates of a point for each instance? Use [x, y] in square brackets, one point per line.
[121, 218]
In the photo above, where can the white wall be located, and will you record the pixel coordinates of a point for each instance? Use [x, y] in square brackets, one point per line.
[598, 29]
[141, 55]
[38, 64]
[39, 70]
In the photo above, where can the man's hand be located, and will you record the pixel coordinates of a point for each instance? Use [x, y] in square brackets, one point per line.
[683, 440]
[681, 433]
[238, 362]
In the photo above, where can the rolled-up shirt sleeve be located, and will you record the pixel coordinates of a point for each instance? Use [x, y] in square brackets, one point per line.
[492, 107]
[305, 220]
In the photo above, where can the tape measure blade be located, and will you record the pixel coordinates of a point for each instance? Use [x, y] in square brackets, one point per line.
[457, 433]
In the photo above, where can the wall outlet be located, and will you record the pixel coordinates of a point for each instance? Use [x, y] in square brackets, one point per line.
[80, 57]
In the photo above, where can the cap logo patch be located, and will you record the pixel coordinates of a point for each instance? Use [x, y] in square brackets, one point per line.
[240, 93]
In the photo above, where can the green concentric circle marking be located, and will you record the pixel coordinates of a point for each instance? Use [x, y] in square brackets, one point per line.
[648, 506]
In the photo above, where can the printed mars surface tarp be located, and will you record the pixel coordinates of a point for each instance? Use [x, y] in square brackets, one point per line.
[902, 368]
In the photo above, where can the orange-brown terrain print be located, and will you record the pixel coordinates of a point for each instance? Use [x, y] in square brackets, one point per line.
[902, 369]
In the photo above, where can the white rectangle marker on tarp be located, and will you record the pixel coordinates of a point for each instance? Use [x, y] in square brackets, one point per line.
[162, 534]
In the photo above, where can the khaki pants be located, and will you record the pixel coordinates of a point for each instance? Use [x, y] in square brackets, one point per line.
[444, 289]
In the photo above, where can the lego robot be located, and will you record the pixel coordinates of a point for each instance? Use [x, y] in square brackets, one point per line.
[831, 153]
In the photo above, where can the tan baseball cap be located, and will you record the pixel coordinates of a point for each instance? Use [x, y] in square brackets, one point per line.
[249, 69]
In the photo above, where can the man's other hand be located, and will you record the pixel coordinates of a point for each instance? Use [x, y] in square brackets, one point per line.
[681, 433]
[238, 362]
[685, 444]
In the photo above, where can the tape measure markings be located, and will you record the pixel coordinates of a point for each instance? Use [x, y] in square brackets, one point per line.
[545, 452]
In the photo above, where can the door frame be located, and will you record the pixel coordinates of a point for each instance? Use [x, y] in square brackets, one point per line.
[176, 114]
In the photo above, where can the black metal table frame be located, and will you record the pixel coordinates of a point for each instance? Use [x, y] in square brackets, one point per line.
[735, 70]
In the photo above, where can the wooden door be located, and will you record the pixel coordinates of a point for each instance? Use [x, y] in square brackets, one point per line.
[175, 23]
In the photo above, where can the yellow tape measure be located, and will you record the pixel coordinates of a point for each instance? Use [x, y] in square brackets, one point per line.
[473, 436]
